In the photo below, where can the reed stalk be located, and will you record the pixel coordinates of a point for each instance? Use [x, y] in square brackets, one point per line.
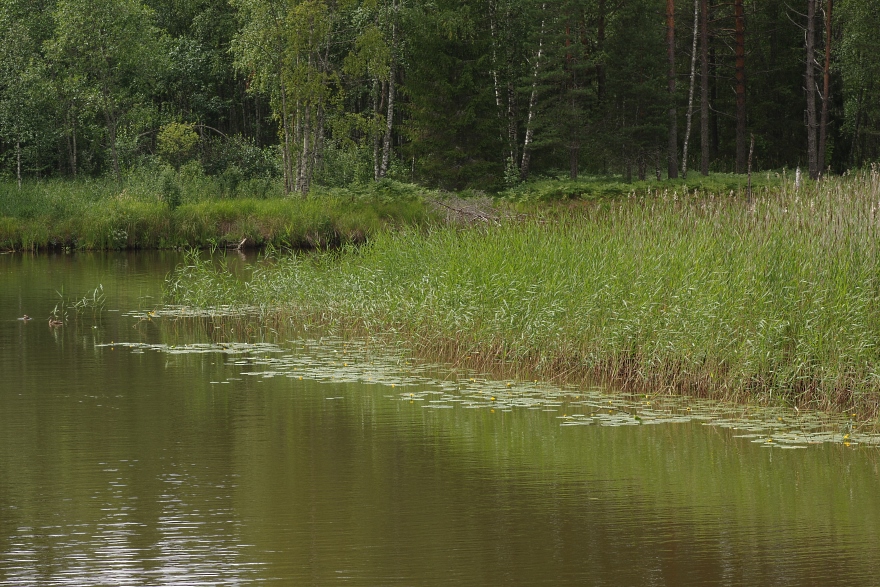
[773, 300]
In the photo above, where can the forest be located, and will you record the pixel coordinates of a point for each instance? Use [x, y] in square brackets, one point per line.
[482, 94]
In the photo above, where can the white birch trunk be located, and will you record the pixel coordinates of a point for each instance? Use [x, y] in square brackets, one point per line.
[389, 118]
[533, 99]
[377, 139]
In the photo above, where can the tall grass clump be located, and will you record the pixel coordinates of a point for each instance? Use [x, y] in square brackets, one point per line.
[776, 299]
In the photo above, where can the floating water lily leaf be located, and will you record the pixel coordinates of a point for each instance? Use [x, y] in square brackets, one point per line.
[341, 361]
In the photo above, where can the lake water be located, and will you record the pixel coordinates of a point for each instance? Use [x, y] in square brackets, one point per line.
[136, 451]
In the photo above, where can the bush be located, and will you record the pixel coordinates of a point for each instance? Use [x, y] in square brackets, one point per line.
[249, 161]
[176, 143]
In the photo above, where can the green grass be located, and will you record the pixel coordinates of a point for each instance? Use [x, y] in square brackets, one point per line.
[775, 300]
[203, 212]
[157, 207]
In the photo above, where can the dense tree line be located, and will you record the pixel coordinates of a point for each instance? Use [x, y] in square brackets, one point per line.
[453, 93]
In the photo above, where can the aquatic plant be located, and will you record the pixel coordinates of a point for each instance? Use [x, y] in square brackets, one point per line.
[92, 302]
[774, 299]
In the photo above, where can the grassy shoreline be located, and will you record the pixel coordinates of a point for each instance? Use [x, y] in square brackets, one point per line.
[100, 215]
[167, 210]
[775, 301]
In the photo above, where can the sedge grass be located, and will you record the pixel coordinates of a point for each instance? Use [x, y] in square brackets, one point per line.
[774, 300]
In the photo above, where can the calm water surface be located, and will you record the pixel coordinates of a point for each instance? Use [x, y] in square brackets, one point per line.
[128, 465]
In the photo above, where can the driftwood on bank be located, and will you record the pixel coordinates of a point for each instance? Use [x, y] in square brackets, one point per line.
[467, 210]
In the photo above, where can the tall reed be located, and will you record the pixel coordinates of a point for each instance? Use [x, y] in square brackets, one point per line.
[774, 300]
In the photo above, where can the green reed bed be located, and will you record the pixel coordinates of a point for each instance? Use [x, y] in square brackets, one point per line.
[100, 214]
[773, 300]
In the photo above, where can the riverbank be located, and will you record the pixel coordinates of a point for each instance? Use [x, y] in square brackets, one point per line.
[168, 210]
[774, 300]
[147, 213]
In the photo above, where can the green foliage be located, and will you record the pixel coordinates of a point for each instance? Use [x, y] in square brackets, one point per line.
[222, 153]
[592, 188]
[112, 49]
[281, 46]
[176, 143]
[168, 209]
[170, 189]
[633, 124]
[451, 122]
[861, 76]
[485, 92]
[23, 87]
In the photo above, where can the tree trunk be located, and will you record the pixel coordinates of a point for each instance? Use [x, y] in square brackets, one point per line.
[71, 140]
[690, 111]
[257, 142]
[73, 162]
[533, 100]
[297, 132]
[392, 86]
[377, 139]
[574, 145]
[18, 162]
[303, 179]
[111, 127]
[493, 30]
[811, 91]
[740, 34]
[285, 148]
[751, 151]
[704, 87]
[855, 158]
[512, 138]
[672, 149]
[318, 158]
[389, 123]
[714, 134]
[826, 89]
[600, 46]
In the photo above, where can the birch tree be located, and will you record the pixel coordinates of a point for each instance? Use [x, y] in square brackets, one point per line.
[690, 110]
[113, 47]
[19, 79]
[283, 48]
[535, 64]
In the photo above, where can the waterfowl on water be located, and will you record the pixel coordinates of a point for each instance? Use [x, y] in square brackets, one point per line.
[25, 318]
[55, 322]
